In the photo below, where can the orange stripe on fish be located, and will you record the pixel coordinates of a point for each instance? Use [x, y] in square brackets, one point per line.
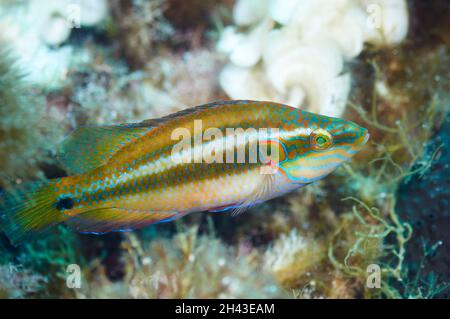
[129, 176]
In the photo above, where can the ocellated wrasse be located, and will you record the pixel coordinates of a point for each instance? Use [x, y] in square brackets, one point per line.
[129, 176]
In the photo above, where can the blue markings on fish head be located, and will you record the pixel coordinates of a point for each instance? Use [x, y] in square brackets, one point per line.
[319, 146]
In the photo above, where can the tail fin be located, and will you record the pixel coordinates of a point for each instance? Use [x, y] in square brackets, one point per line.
[28, 210]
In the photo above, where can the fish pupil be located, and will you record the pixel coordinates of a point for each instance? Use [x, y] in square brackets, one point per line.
[64, 203]
[321, 140]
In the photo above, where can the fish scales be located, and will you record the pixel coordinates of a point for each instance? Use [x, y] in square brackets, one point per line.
[144, 179]
[126, 176]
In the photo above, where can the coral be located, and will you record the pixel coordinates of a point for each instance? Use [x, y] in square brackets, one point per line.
[399, 108]
[200, 267]
[190, 78]
[37, 33]
[16, 282]
[49, 255]
[25, 136]
[309, 42]
[419, 284]
[169, 83]
[46, 258]
[292, 257]
[106, 93]
[190, 266]
[58, 18]
[423, 201]
[370, 243]
[402, 116]
[192, 15]
[140, 26]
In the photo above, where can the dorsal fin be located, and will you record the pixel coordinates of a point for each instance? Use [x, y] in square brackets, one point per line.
[188, 111]
[89, 147]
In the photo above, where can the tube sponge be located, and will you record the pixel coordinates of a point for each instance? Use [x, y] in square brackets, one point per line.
[294, 51]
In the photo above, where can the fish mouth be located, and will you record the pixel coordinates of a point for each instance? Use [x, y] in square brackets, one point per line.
[361, 141]
[366, 138]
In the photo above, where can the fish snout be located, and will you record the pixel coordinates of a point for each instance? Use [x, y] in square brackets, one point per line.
[364, 136]
[361, 139]
[355, 137]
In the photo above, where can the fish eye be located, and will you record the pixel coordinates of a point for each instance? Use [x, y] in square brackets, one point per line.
[320, 139]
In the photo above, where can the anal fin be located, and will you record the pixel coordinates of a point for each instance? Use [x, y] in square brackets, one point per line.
[105, 220]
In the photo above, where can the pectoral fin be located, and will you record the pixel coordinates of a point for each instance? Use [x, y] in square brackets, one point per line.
[257, 196]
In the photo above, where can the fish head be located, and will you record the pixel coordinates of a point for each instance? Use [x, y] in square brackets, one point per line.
[319, 145]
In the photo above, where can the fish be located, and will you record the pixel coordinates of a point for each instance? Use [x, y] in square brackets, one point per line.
[225, 156]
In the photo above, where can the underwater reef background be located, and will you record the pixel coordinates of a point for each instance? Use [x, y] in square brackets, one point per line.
[64, 64]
